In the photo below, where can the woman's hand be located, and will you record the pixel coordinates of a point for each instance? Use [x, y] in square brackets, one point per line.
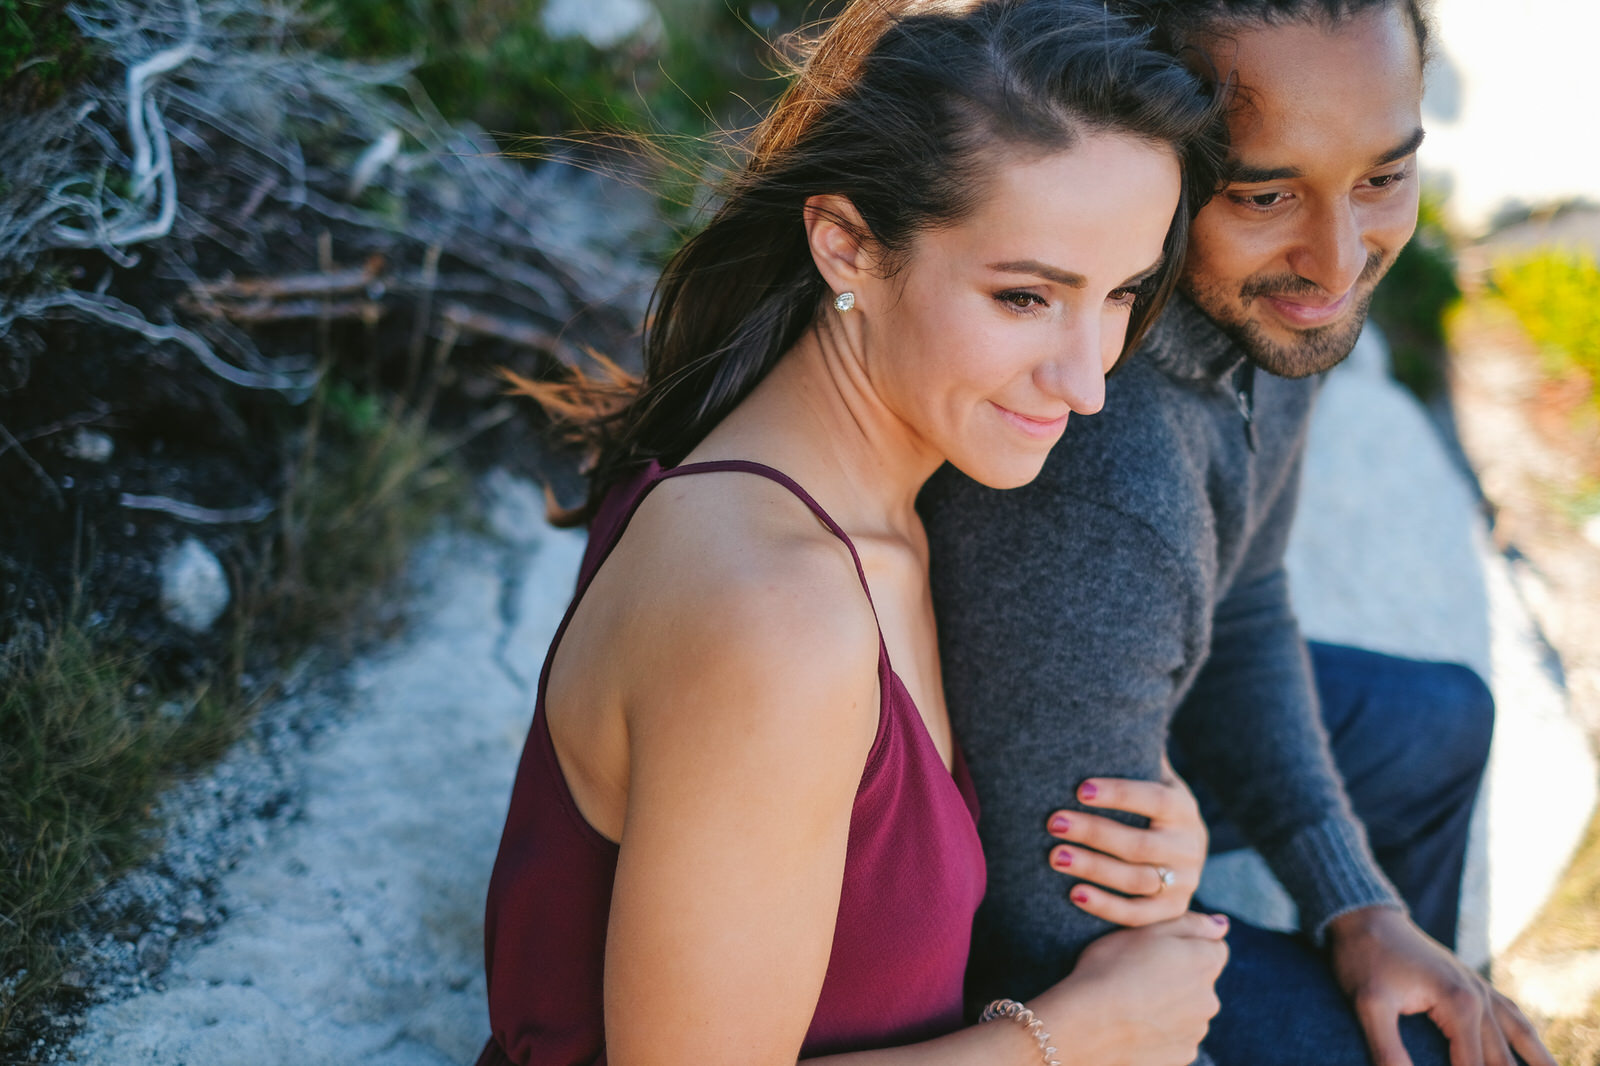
[1141, 997]
[1153, 872]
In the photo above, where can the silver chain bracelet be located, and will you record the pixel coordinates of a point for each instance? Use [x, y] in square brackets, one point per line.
[1010, 1008]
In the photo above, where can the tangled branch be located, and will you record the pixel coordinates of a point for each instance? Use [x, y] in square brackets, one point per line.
[239, 146]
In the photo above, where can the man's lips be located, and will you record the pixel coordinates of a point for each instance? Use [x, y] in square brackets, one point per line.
[1038, 428]
[1306, 312]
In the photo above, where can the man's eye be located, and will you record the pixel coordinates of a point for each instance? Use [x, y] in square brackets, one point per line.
[1384, 181]
[1260, 199]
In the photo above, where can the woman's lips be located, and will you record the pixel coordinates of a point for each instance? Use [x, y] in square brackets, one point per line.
[1304, 314]
[1037, 428]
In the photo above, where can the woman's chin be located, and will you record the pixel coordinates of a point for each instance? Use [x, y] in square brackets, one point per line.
[1019, 471]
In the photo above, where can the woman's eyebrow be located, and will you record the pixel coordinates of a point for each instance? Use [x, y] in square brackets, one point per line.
[1043, 270]
[1067, 277]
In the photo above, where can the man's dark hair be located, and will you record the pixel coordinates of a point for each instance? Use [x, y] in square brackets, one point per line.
[1181, 21]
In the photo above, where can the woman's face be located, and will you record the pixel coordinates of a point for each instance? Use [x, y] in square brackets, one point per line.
[1001, 326]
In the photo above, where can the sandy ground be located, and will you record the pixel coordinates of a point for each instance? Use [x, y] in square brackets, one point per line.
[354, 934]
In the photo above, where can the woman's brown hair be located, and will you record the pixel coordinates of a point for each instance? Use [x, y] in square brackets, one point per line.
[902, 108]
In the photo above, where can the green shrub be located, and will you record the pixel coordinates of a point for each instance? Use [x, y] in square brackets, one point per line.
[1555, 294]
[87, 743]
[1413, 299]
[41, 52]
[491, 61]
[90, 735]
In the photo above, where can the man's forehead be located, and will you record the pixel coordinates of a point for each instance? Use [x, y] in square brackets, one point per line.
[1306, 89]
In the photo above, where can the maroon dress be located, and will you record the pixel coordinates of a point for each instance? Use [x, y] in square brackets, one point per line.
[913, 874]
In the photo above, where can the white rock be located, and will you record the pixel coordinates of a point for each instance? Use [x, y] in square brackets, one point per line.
[90, 446]
[194, 588]
[1390, 552]
[603, 23]
[1241, 883]
[515, 507]
[1384, 552]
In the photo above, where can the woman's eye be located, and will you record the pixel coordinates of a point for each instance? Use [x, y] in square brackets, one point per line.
[1127, 296]
[1020, 299]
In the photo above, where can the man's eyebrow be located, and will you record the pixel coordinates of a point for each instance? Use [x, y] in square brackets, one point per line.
[1403, 149]
[1240, 173]
[1043, 270]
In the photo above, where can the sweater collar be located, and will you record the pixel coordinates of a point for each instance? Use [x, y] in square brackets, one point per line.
[1186, 345]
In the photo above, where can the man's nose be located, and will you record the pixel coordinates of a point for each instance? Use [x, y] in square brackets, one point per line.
[1331, 251]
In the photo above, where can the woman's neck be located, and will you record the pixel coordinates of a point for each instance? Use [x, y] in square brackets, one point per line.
[817, 417]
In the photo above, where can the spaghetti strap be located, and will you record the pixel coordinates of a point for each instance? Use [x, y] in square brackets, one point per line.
[747, 466]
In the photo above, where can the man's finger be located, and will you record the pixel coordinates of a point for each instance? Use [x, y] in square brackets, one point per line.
[1459, 1016]
[1519, 1032]
[1380, 1021]
[1495, 1050]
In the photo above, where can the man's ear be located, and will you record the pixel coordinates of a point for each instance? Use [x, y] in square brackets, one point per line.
[835, 231]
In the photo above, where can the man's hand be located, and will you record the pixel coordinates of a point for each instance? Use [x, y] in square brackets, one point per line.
[1389, 967]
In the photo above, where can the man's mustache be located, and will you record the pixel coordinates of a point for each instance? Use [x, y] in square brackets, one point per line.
[1295, 285]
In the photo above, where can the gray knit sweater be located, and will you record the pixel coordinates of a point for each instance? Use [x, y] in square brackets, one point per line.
[1138, 585]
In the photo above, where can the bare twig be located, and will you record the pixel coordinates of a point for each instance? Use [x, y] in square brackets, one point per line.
[8, 442]
[429, 282]
[521, 334]
[334, 283]
[194, 513]
[114, 312]
[377, 156]
[152, 154]
[264, 311]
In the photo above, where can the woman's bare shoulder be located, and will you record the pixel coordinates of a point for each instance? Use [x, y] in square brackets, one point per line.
[745, 609]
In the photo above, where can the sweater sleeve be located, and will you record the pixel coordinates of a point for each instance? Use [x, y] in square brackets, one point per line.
[1251, 732]
[1050, 678]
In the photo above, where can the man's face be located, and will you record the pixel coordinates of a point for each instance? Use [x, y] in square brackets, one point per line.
[1323, 185]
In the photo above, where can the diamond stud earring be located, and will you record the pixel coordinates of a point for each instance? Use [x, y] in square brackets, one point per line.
[844, 301]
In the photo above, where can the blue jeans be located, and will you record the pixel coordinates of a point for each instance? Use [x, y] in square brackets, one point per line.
[1281, 1007]
[1411, 740]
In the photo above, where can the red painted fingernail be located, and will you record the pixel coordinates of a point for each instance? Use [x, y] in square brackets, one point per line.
[1060, 824]
[1088, 791]
[1061, 857]
[1080, 896]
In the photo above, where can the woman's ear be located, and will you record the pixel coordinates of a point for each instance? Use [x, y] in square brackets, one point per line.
[835, 230]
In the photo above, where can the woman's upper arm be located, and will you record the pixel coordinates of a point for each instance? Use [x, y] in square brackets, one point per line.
[745, 756]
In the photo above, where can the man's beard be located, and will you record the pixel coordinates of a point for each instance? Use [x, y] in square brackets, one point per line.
[1312, 350]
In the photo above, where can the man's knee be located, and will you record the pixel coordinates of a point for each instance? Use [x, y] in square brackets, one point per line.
[1466, 716]
[1381, 710]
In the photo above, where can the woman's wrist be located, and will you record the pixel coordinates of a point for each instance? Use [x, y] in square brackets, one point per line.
[1010, 1010]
